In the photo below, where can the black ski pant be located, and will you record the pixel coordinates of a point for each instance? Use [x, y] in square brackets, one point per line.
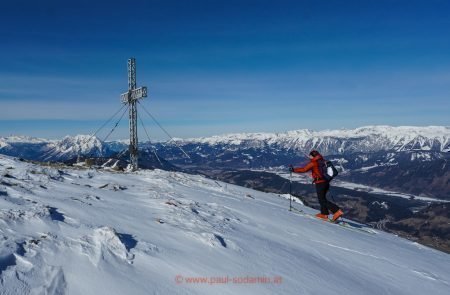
[325, 205]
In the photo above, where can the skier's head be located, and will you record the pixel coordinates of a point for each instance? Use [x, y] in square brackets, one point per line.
[313, 154]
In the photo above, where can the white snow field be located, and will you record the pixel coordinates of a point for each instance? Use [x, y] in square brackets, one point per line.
[76, 231]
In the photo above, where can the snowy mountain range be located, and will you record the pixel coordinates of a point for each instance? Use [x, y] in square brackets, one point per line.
[364, 139]
[82, 231]
[406, 159]
[259, 150]
[54, 150]
[409, 159]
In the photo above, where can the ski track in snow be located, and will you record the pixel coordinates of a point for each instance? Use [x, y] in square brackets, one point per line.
[75, 231]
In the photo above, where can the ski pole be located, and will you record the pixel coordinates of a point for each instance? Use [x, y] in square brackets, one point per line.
[290, 190]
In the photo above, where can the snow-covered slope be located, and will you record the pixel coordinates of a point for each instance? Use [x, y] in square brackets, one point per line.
[156, 232]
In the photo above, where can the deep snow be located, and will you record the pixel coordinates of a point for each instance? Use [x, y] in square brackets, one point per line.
[76, 231]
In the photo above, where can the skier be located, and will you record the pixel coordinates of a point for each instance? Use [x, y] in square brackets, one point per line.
[322, 186]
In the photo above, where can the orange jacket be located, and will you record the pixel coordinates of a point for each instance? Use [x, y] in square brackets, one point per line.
[312, 166]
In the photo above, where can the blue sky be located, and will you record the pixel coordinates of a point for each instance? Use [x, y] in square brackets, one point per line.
[216, 67]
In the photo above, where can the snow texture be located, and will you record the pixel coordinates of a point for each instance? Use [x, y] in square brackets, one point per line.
[76, 231]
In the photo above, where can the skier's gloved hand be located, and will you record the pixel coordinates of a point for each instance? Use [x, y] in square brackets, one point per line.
[291, 168]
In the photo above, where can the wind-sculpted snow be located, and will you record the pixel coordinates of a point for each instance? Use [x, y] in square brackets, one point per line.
[75, 231]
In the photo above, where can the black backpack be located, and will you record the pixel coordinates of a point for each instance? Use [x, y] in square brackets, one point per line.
[327, 170]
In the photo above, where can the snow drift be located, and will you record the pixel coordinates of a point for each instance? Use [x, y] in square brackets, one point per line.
[75, 231]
